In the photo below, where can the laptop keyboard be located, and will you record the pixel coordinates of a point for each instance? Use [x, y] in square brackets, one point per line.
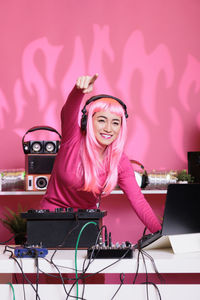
[148, 239]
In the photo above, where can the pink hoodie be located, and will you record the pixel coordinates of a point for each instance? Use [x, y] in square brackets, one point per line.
[63, 188]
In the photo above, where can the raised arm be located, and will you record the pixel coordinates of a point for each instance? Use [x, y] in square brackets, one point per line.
[70, 110]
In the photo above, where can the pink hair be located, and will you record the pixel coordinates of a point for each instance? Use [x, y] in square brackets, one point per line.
[91, 165]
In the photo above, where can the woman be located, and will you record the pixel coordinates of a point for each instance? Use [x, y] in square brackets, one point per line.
[91, 162]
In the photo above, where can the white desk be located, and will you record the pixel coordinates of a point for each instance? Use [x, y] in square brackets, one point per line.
[166, 262]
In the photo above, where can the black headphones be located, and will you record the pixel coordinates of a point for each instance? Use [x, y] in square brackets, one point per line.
[41, 146]
[143, 174]
[94, 98]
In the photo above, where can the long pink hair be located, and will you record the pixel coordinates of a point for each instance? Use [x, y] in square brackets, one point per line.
[91, 165]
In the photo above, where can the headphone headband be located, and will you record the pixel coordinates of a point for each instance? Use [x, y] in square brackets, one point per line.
[95, 98]
[39, 147]
[35, 128]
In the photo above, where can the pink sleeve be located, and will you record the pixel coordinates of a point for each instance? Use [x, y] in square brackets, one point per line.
[69, 114]
[128, 183]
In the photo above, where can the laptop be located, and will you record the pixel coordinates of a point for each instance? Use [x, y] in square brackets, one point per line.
[181, 217]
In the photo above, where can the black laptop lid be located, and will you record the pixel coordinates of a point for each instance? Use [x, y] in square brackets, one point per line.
[182, 209]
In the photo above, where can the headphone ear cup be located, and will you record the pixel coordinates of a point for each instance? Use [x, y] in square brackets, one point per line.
[144, 176]
[145, 180]
[84, 122]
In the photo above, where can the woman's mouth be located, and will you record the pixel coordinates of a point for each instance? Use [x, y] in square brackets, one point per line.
[106, 136]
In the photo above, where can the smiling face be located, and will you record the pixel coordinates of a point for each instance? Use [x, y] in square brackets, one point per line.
[106, 127]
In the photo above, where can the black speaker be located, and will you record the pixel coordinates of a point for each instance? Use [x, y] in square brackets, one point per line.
[39, 164]
[38, 147]
[62, 228]
[194, 165]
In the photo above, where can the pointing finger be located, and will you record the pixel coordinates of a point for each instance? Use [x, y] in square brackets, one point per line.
[94, 77]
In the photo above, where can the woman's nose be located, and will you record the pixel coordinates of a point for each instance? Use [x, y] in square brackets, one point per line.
[108, 127]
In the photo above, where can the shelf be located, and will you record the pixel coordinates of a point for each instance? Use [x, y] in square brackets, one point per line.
[36, 193]
[21, 193]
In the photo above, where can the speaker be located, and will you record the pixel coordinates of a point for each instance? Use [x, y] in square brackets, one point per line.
[194, 165]
[39, 164]
[37, 182]
[41, 146]
[62, 228]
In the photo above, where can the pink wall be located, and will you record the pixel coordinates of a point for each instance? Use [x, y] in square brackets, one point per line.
[146, 52]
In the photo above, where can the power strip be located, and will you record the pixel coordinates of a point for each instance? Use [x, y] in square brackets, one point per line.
[126, 252]
[30, 252]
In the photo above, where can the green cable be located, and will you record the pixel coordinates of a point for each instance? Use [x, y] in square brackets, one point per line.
[77, 242]
[13, 291]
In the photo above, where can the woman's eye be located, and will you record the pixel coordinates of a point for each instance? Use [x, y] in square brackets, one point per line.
[116, 123]
[101, 120]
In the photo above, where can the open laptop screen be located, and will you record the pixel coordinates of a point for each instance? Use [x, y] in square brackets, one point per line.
[182, 209]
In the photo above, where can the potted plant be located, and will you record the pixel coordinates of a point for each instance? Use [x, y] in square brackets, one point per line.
[15, 224]
[184, 177]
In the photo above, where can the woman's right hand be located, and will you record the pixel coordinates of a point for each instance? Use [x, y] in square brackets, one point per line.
[86, 83]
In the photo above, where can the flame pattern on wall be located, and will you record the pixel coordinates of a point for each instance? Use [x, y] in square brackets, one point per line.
[155, 70]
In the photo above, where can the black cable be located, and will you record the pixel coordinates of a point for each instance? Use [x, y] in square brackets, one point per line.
[83, 269]
[90, 275]
[24, 275]
[70, 268]
[23, 283]
[83, 276]
[137, 269]
[37, 273]
[162, 280]
[91, 259]
[59, 266]
[144, 232]
[122, 277]
[15, 277]
[155, 286]
[63, 283]
[83, 272]
[51, 260]
[144, 253]
[61, 277]
[147, 282]
[146, 273]
[65, 238]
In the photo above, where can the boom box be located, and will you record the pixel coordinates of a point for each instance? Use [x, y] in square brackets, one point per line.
[39, 164]
[37, 182]
[40, 147]
[38, 169]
